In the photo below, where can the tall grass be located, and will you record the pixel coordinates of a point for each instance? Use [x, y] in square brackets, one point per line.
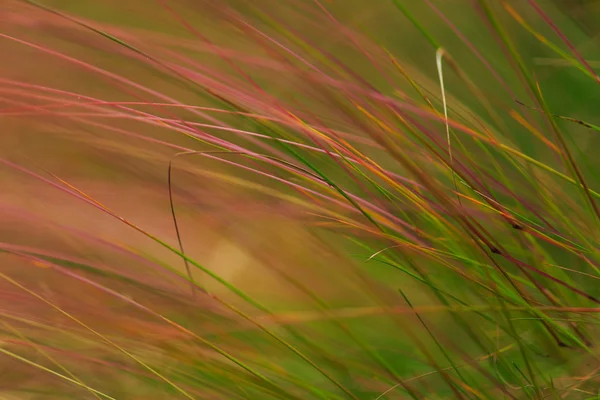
[299, 199]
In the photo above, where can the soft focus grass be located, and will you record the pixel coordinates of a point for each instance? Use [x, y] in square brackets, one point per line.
[299, 199]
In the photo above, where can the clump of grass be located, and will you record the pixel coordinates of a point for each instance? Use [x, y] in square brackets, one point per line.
[298, 200]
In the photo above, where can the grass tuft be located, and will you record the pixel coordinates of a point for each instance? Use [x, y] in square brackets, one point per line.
[299, 200]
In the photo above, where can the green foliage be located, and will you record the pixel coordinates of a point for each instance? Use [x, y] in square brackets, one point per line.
[299, 199]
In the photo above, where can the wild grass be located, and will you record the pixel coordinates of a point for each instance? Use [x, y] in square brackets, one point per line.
[299, 199]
